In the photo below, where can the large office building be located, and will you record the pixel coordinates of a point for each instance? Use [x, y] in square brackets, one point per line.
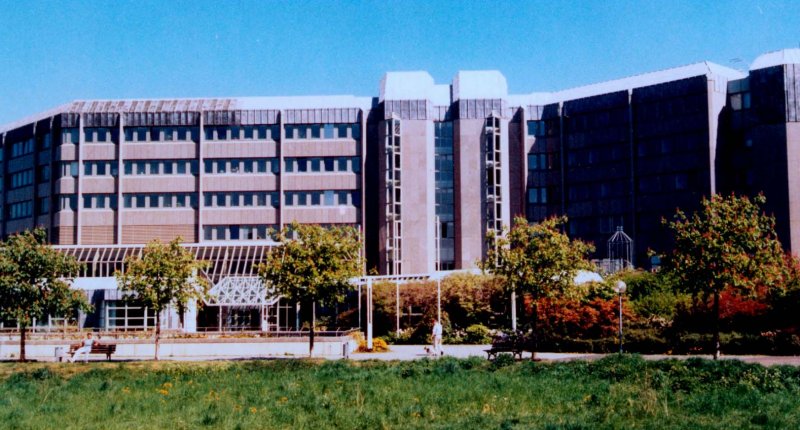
[424, 170]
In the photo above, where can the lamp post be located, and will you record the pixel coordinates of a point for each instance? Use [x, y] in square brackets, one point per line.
[620, 287]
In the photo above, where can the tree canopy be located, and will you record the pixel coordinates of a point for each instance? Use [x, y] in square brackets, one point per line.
[164, 275]
[728, 245]
[35, 281]
[313, 264]
[536, 259]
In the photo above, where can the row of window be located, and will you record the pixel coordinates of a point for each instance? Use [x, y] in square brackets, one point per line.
[164, 200]
[161, 134]
[160, 167]
[247, 132]
[24, 147]
[222, 199]
[212, 166]
[237, 232]
[99, 201]
[246, 165]
[323, 164]
[241, 199]
[323, 131]
[212, 200]
[322, 198]
[20, 210]
[99, 134]
[21, 179]
[100, 168]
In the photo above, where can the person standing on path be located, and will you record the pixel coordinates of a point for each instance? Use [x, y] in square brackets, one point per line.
[85, 349]
[436, 336]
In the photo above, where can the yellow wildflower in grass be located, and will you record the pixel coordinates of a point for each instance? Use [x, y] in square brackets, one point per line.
[163, 391]
[283, 399]
[253, 409]
[167, 385]
[126, 390]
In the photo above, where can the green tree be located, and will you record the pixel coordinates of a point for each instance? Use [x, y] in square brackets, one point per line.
[35, 281]
[536, 259]
[313, 265]
[166, 274]
[729, 244]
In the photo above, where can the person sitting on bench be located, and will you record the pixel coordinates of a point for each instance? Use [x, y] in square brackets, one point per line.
[86, 348]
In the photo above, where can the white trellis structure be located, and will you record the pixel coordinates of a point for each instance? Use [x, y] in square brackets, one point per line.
[244, 291]
[620, 252]
[397, 280]
[232, 271]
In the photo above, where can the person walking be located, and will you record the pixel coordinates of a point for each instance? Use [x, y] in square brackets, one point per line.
[436, 337]
[85, 349]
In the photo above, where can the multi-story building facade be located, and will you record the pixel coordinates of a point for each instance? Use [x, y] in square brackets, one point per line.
[425, 170]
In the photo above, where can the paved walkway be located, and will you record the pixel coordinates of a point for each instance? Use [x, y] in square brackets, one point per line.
[416, 352]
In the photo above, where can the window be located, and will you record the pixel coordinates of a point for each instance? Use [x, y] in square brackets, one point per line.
[20, 210]
[68, 202]
[537, 128]
[21, 179]
[44, 205]
[537, 195]
[69, 135]
[327, 131]
[44, 174]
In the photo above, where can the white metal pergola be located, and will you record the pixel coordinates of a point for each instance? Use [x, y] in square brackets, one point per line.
[397, 280]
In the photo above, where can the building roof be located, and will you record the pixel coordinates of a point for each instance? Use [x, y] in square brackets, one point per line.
[776, 58]
[198, 104]
[706, 68]
[479, 84]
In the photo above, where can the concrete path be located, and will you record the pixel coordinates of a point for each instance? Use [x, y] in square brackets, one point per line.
[416, 352]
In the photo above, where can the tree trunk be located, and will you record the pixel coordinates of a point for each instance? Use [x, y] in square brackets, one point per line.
[313, 326]
[22, 331]
[535, 329]
[716, 326]
[158, 332]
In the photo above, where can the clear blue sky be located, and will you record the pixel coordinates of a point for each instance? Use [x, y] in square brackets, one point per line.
[58, 51]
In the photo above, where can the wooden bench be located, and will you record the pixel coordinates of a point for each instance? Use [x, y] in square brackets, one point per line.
[505, 344]
[97, 348]
[515, 352]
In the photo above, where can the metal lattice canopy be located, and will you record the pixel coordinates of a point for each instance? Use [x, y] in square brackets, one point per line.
[620, 251]
[241, 291]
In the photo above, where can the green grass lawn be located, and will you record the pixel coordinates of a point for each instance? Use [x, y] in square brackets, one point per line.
[616, 392]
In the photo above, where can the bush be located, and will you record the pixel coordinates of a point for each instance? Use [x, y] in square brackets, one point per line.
[378, 345]
[478, 334]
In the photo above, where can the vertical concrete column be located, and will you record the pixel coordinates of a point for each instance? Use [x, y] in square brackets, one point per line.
[362, 155]
[79, 182]
[120, 173]
[279, 179]
[200, 174]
